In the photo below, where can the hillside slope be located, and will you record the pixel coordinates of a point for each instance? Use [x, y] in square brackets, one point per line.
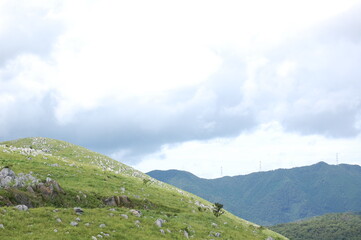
[278, 196]
[333, 226]
[74, 193]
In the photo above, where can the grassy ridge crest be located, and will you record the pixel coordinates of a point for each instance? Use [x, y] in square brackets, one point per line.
[88, 178]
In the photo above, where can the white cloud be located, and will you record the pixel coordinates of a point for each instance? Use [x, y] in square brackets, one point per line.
[159, 73]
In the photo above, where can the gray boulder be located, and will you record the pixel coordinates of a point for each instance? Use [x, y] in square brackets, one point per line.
[74, 224]
[6, 172]
[22, 207]
[78, 210]
[135, 212]
[159, 222]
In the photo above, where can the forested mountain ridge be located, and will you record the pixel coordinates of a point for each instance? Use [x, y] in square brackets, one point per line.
[333, 226]
[278, 196]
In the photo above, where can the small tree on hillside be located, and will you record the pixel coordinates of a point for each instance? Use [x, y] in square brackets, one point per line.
[217, 209]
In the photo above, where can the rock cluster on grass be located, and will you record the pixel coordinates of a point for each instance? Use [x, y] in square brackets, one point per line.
[121, 201]
[9, 179]
[50, 189]
[25, 189]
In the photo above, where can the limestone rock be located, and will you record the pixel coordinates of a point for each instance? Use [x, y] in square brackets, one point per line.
[78, 210]
[74, 224]
[136, 213]
[121, 201]
[21, 207]
[159, 222]
[186, 235]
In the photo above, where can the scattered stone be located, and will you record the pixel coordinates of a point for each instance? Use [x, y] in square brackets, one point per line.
[159, 222]
[30, 189]
[99, 236]
[136, 212]
[94, 238]
[77, 219]
[55, 230]
[54, 165]
[112, 209]
[137, 223]
[111, 214]
[215, 234]
[1, 226]
[269, 238]
[74, 224]
[87, 224]
[56, 210]
[214, 225]
[186, 235]
[162, 231]
[102, 225]
[22, 207]
[78, 210]
[58, 220]
[125, 216]
[106, 235]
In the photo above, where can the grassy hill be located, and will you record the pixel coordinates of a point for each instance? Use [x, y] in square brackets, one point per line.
[278, 196]
[336, 226]
[118, 202]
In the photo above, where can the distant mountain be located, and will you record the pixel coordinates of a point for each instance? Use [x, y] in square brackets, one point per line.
[278, 196]
[334, 226]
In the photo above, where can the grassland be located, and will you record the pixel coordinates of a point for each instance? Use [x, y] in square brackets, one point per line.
[87, 179]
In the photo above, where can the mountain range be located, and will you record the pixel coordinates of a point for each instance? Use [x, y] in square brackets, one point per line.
[277, 196]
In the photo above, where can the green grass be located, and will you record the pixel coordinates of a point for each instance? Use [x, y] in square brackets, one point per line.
[87, 178]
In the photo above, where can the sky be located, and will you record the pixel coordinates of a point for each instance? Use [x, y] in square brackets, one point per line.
[212, 87]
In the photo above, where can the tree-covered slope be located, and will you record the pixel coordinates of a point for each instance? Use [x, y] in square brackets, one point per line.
[335, 226]
[74, 193]
[278, 196]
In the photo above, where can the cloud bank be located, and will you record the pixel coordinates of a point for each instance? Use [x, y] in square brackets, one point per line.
[138, 81]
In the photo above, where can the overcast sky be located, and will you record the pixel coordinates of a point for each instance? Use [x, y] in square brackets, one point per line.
[191, 85]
